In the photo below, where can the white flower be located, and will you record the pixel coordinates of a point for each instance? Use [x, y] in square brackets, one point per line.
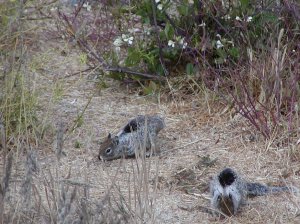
[159, 6]
[230, 42]
[183, 43]
[147, 31]
[238, 18]
[117, 49]
[118, 42]
[191, 2]
[53, 9]
[219, 36]
[219, 44]
[249, 19]
[157, 1]
[87, 6]
[130, 40]
[227, 17]
[202, 24]
[134, 30]
[294, 50]
[171, 43]
[127, 39]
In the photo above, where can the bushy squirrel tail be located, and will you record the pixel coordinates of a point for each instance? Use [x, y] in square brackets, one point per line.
[257, 189]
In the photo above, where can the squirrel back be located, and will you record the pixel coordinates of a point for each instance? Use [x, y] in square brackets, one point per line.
[229, 191]
[153, 124]
[140, 132]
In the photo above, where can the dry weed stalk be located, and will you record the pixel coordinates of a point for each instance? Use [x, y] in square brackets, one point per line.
[65, 204]
[3, 137]
[7, 167]
[4, 185]
[58, 199]
[59, 142]
[26, 188]
[51, 196]
[144, 197]
[112, 210]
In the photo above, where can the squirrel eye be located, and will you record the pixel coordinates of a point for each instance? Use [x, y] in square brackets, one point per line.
[108, 151]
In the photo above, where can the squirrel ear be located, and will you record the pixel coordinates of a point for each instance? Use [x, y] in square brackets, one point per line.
[109, 136]
[116, 138]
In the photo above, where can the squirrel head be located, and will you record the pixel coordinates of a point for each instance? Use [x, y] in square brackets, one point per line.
[227, 177]
[108, 148]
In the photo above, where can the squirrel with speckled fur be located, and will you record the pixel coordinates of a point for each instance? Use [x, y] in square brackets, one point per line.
[138, 134]
[229, 191]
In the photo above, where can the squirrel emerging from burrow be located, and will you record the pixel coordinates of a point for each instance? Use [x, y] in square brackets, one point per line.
[229, 191]
[139, 135]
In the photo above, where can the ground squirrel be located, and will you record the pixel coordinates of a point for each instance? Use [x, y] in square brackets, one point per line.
[132, 138]
[229, 191]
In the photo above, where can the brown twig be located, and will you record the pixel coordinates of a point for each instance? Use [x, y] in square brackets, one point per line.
[131, 72]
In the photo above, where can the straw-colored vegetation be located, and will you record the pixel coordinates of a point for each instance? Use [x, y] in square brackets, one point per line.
[65, 83]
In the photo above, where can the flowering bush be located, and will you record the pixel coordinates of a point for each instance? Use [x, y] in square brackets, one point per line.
[204, 33]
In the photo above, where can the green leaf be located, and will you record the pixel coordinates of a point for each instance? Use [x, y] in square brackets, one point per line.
[116, 75]
[189, 69]
[169, 31]
[77, 144]
[153, 85]
[234, 52]
[150, 89]
[222, 54]
[133, 57]
[146, 20]
[159, 69]
[219, 61]
[268, 17]
[183, 10]
[244, 4]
